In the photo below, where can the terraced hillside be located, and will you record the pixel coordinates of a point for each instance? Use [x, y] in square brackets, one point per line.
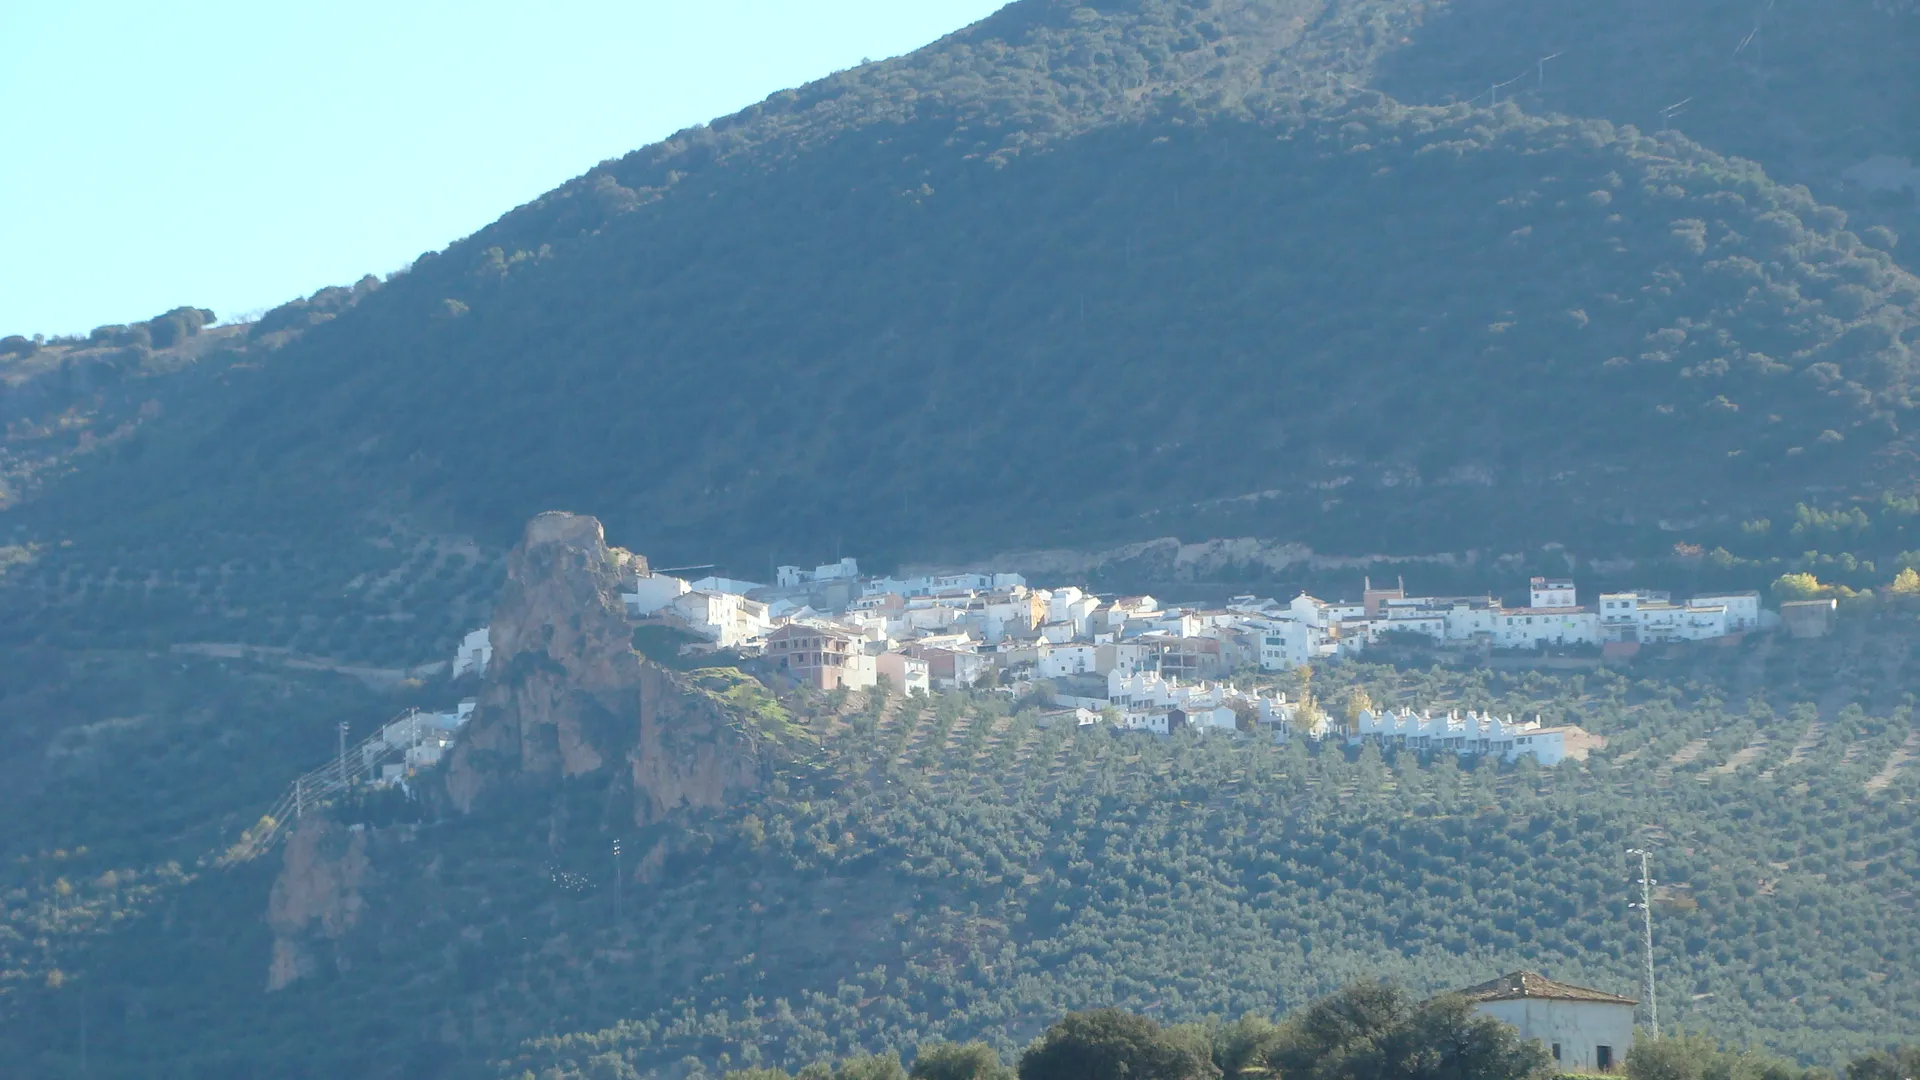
[944, 867]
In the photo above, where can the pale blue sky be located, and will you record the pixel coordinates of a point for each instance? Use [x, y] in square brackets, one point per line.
[235, 155]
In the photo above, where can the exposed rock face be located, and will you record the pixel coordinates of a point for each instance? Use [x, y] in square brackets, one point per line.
[688, 752]
[316, 900]
[565, 694]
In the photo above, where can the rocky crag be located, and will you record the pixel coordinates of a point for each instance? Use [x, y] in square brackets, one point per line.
[566, 695]
[317, 899]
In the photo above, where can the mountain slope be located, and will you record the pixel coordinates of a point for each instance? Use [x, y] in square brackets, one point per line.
[1428, 313]
[1809, 89]
[1074, 275]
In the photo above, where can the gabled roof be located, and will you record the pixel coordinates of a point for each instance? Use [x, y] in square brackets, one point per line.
[1530, 984]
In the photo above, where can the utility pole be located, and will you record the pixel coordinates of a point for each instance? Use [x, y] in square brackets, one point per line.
[618, 881]
[1646, 911]
[1542, 66]
[1667, 114]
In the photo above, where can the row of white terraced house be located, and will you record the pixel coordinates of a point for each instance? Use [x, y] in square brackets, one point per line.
[1149, 702]
[1552, 617]
[1474, 733]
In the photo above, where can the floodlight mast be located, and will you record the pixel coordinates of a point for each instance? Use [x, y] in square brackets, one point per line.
[1646, 911]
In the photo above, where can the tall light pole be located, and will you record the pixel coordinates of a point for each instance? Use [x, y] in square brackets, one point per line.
[1542, 67]
[1646, 911]
[618, 881]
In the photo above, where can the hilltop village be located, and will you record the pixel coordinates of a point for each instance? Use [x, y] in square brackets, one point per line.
[1140, 665]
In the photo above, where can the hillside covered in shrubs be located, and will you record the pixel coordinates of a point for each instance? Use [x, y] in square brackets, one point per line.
[1075, 275]
[949, 869]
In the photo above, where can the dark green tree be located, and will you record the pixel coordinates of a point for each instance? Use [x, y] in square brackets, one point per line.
[1445, 1039]
[958, 1061]
[871, 1067]
[1901, 1064]
[1340, 1035]
[1241, 1048]
[1111, 1044]
[1700, 1057]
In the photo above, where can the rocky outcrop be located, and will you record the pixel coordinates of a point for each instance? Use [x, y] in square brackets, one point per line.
[566, 695]
[688, 753]
[317, 899]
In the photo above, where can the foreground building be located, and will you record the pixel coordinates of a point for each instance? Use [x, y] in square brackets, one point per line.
[1586, 1031]
[821, 656]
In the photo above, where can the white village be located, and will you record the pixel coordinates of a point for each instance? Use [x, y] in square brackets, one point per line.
[1128, 661]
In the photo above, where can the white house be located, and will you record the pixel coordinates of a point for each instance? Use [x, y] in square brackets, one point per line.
[1056, 661]
[932, 616]
[908, 674]
[1428, 620]
[944, 584]
[1324, 614]
[725, 584]
[1074, 608]
[1586, 1031]
[1148, 702]
[1116, 614]
[1645, 615]
[950, 665]
[1530, 628]
[999, 614]
[788, 577]
[1284, 643]
[862, 671]
[1551, 593]
[474, 654]
[725, 619]
[1743, 609]
[652, 592]
[429, 752]
[1059, 633]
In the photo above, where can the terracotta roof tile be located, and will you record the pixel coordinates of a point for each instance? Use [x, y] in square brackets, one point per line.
[1529, 984]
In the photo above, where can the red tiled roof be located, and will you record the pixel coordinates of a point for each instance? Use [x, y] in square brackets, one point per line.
[1529, 984]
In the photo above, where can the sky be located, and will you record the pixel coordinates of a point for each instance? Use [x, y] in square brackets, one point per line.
[233, 156]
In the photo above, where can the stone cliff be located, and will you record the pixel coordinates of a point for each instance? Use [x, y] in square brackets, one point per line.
[566, 695]
[317, 898]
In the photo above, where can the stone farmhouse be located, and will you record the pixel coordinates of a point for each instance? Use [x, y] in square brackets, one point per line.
[1585, 1031]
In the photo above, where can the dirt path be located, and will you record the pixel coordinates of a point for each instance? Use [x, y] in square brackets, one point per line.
[376, 677]
[1743, 757]
[1681, 757]
[1809, 739]
[1896, 761]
